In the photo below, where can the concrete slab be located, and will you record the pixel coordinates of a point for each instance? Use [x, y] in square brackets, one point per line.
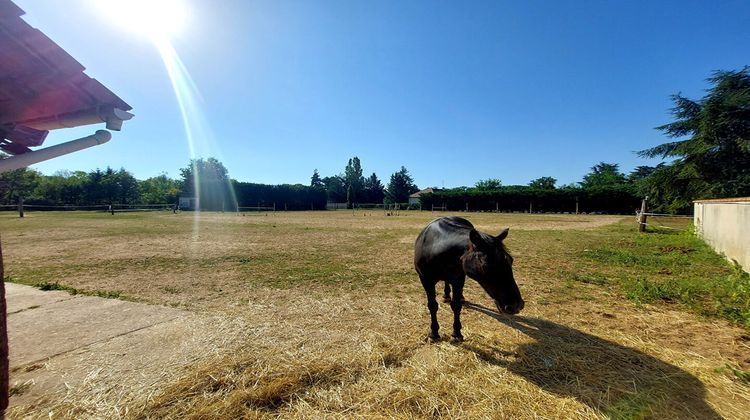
[20, 297]
[104, 353]
[51, 324]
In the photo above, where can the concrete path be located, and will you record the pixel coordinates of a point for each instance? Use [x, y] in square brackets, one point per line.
[42, 325]
[77, 348]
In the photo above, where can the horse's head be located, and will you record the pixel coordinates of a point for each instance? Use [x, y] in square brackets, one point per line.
[487, 261]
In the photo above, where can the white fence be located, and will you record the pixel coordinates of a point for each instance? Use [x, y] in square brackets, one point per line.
[725, 225]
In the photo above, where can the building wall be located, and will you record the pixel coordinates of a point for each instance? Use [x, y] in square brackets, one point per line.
[188, 203]
[725, 225]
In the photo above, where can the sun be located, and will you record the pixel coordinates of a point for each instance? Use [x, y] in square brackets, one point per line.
[155, 19]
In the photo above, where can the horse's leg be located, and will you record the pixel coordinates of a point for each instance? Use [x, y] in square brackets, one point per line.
[456, 304]
[447, 292]
[432, 305]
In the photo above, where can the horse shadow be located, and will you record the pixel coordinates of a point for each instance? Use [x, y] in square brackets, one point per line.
[615, 380]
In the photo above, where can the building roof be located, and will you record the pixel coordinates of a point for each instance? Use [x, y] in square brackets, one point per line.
[43, 88]
[725, 200]
[420, 192]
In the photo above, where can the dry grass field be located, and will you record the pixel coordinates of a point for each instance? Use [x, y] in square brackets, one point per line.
[316, 314]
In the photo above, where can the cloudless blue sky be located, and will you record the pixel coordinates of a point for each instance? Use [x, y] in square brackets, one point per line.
[454, 91]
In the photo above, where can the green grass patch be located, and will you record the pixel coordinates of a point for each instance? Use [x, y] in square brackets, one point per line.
[636, 406]
[47, 286]
[735, 373]
[590, 278]
[672, 267]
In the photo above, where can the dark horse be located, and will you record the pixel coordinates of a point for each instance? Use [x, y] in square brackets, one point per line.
[449, 249]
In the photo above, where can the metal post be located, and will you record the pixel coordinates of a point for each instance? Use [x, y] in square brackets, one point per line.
[20, 206]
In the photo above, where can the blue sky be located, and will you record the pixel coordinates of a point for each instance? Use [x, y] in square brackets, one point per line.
[454, 91]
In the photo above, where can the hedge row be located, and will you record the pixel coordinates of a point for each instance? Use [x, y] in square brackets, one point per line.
[291, 197]
[620, 199]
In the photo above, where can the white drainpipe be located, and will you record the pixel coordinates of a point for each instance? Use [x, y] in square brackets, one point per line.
[29, 158]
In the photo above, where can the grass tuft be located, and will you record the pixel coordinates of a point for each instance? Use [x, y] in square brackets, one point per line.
[47, 286]
[735, 373]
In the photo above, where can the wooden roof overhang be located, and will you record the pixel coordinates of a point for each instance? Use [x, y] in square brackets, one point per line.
[43, 88]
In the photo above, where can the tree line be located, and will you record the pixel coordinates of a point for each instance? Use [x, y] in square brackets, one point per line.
[708, 157]
[79, 188]
[604, 190]
[208, 179]
[351, 187]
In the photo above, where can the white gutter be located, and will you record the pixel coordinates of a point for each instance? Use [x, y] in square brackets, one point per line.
[21, 161]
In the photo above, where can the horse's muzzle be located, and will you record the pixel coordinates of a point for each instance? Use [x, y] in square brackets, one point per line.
[510, 309]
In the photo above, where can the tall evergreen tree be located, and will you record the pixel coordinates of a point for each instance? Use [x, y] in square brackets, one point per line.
[712, 146]
[374, 191]
[400, 187]
[354, 181]
[316, 181]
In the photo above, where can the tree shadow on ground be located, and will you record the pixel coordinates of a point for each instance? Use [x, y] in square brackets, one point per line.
[615, 380]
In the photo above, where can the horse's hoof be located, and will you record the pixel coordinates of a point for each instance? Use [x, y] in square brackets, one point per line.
[433, 338]
[457, 339]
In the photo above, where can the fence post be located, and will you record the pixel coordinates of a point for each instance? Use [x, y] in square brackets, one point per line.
[531, 207]
[642, 216]
[467, 206]
[111, 210]
[576, 205]
[20, 206]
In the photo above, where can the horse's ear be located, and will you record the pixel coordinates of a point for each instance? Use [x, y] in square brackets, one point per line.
[476, 239]
[503, 234]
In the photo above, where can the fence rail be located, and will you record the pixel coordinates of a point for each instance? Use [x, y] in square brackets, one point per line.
[104, 208]
[259, 209]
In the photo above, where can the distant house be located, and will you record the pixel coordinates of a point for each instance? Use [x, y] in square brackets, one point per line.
[189, 203]
[414, 198]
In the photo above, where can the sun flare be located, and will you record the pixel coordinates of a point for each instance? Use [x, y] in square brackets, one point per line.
[155, 19]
